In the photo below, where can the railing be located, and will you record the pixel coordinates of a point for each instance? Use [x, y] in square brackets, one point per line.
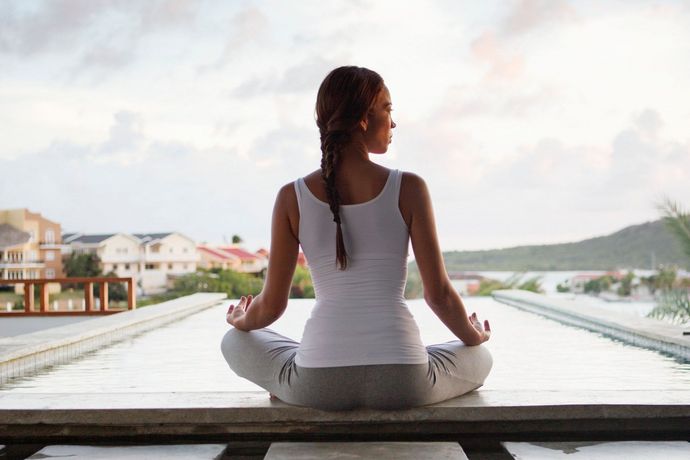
[89, 303]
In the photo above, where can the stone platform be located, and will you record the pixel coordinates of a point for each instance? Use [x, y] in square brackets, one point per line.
[481, 416]
[642, 332]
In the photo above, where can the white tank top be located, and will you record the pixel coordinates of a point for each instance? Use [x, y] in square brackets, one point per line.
[360, 316]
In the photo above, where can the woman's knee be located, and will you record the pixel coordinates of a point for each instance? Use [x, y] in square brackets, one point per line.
[484, 362]
[232, 344]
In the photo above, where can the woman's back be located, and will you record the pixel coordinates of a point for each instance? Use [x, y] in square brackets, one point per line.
[354, 220]
[360, 316]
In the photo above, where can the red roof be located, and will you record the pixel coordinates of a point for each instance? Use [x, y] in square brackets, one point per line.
[216, 253]
[262, 252]
[241, 253]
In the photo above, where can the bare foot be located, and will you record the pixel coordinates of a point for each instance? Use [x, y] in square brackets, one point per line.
[273, 397]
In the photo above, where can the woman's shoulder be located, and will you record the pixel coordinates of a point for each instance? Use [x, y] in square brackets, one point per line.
[411, 183]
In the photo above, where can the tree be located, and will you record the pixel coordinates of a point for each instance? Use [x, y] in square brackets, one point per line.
[116, 291]
[625, 289]
[302, 286]
[236, 239]
[675, 302]
[677, 221]
[82, 265]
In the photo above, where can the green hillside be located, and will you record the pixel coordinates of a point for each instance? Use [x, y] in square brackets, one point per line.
[632, 247]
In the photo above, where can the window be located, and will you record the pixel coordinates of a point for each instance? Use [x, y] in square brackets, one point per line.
[184, 266]
[116, 267]
[121, 250]
[149, 267]
[170, 250]
[32, 236]
[50, 236]
[50, 255]
[31, 256]
[50, 273]
[170, 266]
[126, 266]
[185, 250]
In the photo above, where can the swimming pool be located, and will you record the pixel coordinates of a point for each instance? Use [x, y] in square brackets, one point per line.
[530, 353]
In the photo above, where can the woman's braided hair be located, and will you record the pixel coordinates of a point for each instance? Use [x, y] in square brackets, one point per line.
[344, 98]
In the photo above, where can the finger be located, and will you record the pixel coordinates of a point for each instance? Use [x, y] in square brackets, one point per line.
[487, 326]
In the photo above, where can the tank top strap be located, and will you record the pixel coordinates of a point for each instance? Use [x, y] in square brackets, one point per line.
[298, 192]
[397, 180]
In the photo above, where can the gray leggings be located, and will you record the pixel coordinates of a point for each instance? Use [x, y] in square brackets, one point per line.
[268, 359]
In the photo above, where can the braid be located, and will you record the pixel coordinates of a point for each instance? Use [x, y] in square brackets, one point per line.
[331, 146]
[345, 96]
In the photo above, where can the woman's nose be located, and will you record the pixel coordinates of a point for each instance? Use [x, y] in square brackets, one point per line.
[393, 125]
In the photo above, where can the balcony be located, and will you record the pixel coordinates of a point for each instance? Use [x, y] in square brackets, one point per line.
[19, 264]
[164, 257]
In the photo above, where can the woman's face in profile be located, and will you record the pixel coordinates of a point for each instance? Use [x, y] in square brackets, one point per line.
[379, 132]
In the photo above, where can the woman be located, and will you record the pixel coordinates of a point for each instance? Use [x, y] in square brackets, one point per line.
[354, 220]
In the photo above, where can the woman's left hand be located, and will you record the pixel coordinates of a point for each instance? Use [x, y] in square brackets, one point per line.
[236, 313]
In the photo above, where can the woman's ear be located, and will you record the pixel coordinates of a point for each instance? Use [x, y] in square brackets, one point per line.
[364, 124]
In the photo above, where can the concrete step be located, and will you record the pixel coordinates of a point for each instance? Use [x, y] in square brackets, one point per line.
[629, 450]
[251, 416]
[169, 452]
[365, 450]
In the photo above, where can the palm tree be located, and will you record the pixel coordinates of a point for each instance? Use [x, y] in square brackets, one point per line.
[678, 221]
[674, 304]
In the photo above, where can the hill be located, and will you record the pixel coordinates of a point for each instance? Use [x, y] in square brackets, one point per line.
[637, 246]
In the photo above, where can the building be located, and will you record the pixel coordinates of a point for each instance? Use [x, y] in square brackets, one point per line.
[301, 259]
[249, 263]
[210, 258]
[29, 247]
[149, 257]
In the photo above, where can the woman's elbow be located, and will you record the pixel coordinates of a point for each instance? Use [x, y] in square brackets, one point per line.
[439, 297]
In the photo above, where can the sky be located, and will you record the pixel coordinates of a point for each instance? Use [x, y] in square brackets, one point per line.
[532, 121]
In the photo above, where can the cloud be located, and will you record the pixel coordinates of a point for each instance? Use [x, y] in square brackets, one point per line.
[637, 165]
[248, 26]
[94, 34]
[528, 15]
[304, 76]
[52, 26]
[125, 136]
[501, 64]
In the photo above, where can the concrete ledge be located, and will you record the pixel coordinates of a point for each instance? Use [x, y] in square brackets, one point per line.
[642, 332]
[365, 450]
[28, 353]
[480, 415]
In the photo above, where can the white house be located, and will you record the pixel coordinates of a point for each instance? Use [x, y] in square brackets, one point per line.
[149, 257]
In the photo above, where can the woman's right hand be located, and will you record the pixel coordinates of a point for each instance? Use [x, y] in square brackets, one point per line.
[484, 331]
[236, 314]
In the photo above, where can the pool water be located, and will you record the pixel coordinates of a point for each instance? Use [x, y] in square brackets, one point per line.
[530, 353]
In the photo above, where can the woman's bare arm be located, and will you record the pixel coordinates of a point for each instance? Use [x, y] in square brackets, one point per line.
[269, 305]
[441, 296]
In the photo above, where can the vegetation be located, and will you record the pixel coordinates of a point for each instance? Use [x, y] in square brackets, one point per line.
[645, 245]
[415, 290]
[488, 286]
[82, 265]
[598, 285]
[234, 284]
[302, 286]
[674, 305]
